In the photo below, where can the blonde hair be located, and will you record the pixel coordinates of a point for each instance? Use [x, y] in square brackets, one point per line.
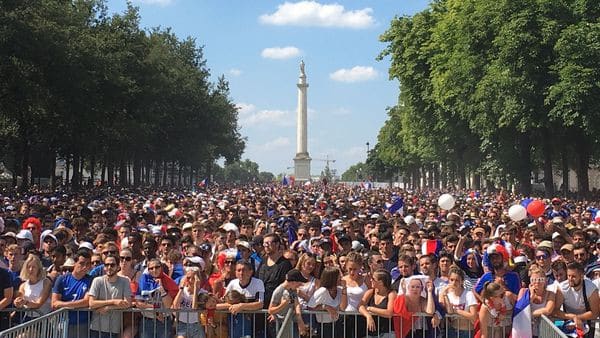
[234, 297]
[13, 248]
[32, 259]
[490, 290]
[535, 269]
[302, 259]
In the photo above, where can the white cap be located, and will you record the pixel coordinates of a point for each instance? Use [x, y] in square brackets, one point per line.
[86, 245]
[230, 227]
[555, 235]
[25, 234]
[356, 245]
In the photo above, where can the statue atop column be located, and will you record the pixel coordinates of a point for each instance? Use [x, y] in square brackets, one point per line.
[302, 68]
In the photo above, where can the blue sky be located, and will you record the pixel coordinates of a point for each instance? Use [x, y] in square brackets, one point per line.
[258, 45]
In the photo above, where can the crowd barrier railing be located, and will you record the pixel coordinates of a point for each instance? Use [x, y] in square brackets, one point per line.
[51, 325]
[167, 323]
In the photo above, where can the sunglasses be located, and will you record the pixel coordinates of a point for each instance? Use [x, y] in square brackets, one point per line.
[229, 262]
[111, 252]
[128, 259]
[538, 280]
[540, 257]
[110, 265]
[189, 264]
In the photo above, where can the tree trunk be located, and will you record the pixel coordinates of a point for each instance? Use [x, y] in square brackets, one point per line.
[53, 172]
[524, 171]
[67, 170]
[156, 173]
[565, 171]
[547, 150]
[81, 167]
[430, 176]
[137, 172]
[179, 173]
[461, 173]
[110, 174]
[25, 166]
[75, 178]
[583, 163]
[165, 173]
[92, 170]
[122, 173]
[148, 169]
[172, 181]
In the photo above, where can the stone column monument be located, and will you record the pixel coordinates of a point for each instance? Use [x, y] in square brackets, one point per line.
[302, 160]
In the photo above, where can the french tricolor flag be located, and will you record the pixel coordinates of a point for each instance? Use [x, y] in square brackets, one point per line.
[202, 183]
[521, 327]
[431, 246]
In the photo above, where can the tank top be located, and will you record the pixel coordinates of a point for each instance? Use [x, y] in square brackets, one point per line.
[186, 304]
[355, 294]
[32, 293]
[536, 320]
[308, 288]
[382, 324]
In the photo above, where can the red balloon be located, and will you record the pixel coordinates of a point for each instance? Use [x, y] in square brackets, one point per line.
[536, 208]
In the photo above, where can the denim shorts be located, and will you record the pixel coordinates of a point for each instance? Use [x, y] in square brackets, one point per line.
[190, 330]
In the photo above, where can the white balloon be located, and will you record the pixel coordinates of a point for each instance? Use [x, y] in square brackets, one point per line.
[517, 212]
[409, 219]
[446, 201]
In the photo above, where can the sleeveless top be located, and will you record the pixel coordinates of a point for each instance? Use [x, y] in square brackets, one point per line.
[32, 293]
[535, 321]
[355, 294]
[382, 324]
[309, 289]
[500, 320]
[186, 304]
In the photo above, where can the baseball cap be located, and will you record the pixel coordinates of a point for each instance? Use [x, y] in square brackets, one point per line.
[25, 234]
[295, 275]
[568, 247]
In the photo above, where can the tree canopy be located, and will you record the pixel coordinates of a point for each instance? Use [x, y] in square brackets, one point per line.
[495, 90]
[99, 91]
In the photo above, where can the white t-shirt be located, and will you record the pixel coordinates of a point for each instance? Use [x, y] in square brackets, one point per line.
[574, 302]
[322, 297]
[466, 300]
[255, 291]
[439, 284]
[355, 294]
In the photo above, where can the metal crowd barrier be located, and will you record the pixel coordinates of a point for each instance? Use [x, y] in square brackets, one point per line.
[549, 330]
[51, 325]
[167, 323]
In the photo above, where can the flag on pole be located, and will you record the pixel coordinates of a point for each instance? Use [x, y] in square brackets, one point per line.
[431, 246]
[203, 183]
[521, 327]
[398, 204]
[285, 181]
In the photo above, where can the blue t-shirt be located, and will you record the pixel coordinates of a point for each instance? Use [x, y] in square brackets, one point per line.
[97, 271]
[69, 288]
[177, 272]
[511, 280]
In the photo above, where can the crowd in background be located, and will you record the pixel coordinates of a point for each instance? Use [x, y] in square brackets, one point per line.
[317, 252]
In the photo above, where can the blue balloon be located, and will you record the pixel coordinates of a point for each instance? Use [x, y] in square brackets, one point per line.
[526, 202]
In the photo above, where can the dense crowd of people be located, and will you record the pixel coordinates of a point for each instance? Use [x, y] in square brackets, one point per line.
[334, 259]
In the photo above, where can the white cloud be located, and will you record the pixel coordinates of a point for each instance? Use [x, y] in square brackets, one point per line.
[341, 111]
[280, 52]
[356, 74]
[266, 117]
[246, 108]
[280, 142]
[235, 72]
[312, 13]
[161, 3]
